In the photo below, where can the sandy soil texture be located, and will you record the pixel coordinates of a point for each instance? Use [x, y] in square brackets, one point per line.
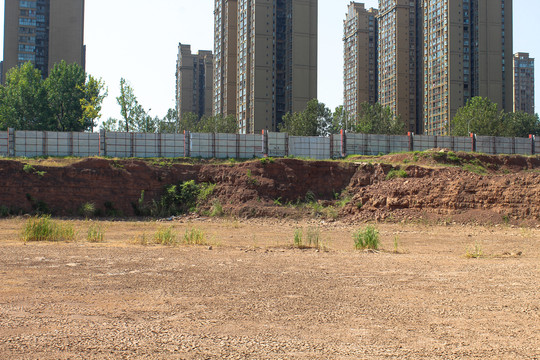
[252, 296]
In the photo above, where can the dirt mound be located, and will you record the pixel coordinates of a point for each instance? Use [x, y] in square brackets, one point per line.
[474, 188]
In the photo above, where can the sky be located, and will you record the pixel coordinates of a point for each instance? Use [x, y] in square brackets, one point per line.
[138, 40]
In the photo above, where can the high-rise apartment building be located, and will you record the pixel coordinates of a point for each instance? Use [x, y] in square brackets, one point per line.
[43, 32]
[276, 60]
[523, 83]
[467, 53]
[360, 70]
[225, 51]
[398, 59]
[194, 79]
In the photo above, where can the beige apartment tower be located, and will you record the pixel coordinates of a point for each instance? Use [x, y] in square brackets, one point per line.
[467, 53]
[523, 83]
[360, 76]
[43, 32]
[194, 79]
[276, 60]
[225, 52]
[399, 39]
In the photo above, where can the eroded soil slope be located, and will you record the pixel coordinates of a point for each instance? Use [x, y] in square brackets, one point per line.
[464, 187]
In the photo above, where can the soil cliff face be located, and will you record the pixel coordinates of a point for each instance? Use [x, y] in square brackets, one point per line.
[257, 188]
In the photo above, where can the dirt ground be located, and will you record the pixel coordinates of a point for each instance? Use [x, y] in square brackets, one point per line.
[252, 296]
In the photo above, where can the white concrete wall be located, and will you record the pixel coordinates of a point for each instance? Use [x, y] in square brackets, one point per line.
[201, 145]
[172, 145]
[29, 143]
[118, 144]
[277, 144]
[250, 146]
[310, 147]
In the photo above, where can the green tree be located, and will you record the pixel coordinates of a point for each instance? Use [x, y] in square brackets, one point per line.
[66, 101]
[23, 100]
[342, 120]
[376, 119]
[94, 94]
[480, 116]
[169, 124]
[521, 124]
[111, 124]
[65, 90]
[216, 124]
[130, 109]
[315, 120]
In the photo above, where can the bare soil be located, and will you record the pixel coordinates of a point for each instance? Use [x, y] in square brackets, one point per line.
[251, 295]
[436, 185]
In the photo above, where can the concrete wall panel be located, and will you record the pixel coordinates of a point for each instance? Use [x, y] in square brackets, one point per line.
[250, 146]
[277, 144]
[4, 143]
[118, 144]
[201, 145]
[310, 147]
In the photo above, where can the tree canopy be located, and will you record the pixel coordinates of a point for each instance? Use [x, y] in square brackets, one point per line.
[482, 117]
[318, 120]
[68, 100]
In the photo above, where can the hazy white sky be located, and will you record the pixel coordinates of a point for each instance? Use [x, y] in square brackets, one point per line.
[138, 40]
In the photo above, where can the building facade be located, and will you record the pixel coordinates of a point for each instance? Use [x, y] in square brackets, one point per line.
[467, 53]
[225, 52]
[194, 79]
[43, 32]
[399, 65]
[275, 60]
[524, 83]
[360, 54]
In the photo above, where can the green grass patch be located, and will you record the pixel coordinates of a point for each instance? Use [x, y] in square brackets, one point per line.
[396, 173]
[43, 228]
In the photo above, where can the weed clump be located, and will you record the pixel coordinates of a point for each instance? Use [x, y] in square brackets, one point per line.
[195, 236]
[95, 234]
[166, 236]
[176, 200]
[367, 239]
[312, 239]
[396, 173]
[42, 228]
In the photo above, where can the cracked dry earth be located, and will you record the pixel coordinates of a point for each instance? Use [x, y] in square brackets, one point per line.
[252, 296]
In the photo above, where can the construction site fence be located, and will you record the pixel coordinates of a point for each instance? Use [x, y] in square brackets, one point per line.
[241, 146]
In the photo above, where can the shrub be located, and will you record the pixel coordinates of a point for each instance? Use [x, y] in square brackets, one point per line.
[166, 236]
[27, 168]
[42, 228]
[367, 239]
[396, 173]
[4, 211]
[217, 209]
[177, 199]
[88, 210]
[95, 234]
[195, 236]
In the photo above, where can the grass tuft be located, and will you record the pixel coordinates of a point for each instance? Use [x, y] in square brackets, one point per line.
[195, 236]
[42, 228]
[367, 239]
[95, 234]
[166, 236]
